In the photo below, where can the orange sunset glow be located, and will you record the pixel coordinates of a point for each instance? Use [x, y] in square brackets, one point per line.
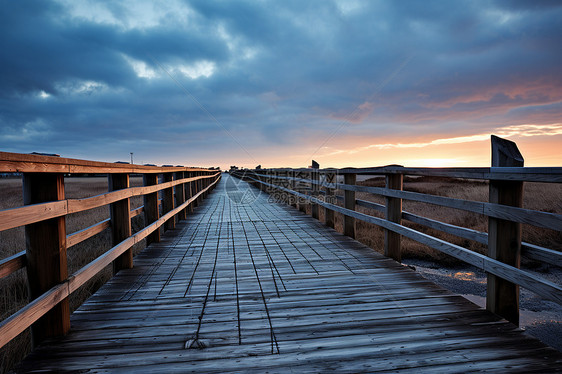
[346, 83]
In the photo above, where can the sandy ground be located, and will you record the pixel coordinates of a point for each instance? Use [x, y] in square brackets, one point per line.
[538, 317]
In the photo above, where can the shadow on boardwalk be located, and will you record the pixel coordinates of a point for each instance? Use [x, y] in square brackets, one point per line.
[262, 287]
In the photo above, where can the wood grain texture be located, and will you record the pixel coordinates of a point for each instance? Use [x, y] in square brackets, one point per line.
[526, 174]
[370, 205]
[15, 217]
[28, 163]
[31, 313]
[137, 212]
[530, 251]
[17, 261]
[86, 233]
[46, 260]
[504, 237]
[24, 318]
[315, 177]
[267, 288]
[188, 192]
[516, 214]
[539, 285]
[151, 211]
[120, 218]
[12, 264]
[393, 213]
[168, 201]
[349, 203]
[181, 194]
[329, 219]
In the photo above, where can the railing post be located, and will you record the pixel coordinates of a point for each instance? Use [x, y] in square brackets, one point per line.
[504, 237]
[261, 178]
[393, 213]
[301, 201]
[199, 184]
[120, 221]
[151, 212]
[168, 202]
[180, 196]
[329, 213]
[195, 189]
[190, 192]
[269, 180]
[205, 183]
[46, 253]
[315, 177]
[286, 183]
[349, 203]
[292, 185]
[187, 193]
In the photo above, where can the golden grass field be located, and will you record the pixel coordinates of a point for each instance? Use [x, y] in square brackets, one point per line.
[13, 294]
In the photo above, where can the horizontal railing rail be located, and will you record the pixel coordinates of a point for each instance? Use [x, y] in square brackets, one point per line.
[528, 250]
[44, 213]
[314, 187]
[541, 219]
[527, 174]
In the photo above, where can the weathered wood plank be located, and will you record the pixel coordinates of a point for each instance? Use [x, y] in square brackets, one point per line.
[393, 213]
[329, 219]
[120, 218]
[25, 317]
[267, 288]
[15, 217]
[46, 260]
[137, 212]
[88, 232]
[30, 163]
[349, 203]
[525, 279]
[32, 312]
[536, 218]
[526, 174]
[151, 211]
[12, 264]
[504, 237]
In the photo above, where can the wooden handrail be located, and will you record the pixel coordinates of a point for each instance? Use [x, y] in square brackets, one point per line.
[30, 163]
[15, 217]
[524, 174]
[529, 250]
[190, 189]
[501, 175]
[12, 264]
[540, 219]
[16, 262]
[540, 286]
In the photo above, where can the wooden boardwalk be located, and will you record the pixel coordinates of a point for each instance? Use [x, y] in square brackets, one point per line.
[265, 288]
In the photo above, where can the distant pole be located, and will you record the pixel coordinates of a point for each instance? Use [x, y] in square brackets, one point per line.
[131, 158]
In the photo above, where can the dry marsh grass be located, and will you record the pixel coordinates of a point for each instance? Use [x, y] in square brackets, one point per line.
[537, 196]
[14, 293]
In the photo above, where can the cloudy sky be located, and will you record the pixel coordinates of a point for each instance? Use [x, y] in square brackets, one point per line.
[278, 83]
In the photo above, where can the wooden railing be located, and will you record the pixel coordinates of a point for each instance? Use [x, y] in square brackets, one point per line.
[504, 211]
[43, 215]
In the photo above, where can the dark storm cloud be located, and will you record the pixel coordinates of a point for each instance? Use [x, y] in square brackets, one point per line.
[280, 73]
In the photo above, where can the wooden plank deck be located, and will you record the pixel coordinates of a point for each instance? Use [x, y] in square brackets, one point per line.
[266, 288]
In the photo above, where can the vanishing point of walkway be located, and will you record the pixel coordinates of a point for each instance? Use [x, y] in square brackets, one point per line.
[253, 286]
